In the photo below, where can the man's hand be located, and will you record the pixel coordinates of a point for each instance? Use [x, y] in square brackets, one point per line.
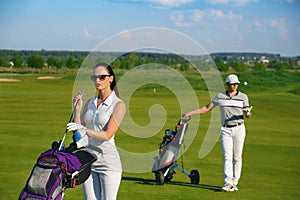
[248, 112]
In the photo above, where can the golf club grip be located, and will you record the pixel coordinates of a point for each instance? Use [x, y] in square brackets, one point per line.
[83, 96]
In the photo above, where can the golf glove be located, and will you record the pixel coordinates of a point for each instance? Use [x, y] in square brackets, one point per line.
[79, 136]
[74, 126]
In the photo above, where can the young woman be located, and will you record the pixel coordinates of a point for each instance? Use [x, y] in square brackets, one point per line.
[100, 119]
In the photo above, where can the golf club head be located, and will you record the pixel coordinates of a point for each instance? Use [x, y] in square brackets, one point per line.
[71, 148]
[55, 146]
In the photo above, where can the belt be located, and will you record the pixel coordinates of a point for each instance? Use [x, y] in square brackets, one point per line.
[232, 125]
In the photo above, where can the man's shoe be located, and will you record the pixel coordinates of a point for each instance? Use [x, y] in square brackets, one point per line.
[227, 188]
[235, 188]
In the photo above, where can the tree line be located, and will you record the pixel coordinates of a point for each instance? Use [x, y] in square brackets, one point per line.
[41, 59]
[238, 62]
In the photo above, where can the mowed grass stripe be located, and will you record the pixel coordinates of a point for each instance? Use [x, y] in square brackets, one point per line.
[34, 113]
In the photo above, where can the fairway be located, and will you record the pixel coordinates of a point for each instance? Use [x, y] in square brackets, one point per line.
[34, 113]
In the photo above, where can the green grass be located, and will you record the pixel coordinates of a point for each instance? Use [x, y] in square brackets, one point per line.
[34, 113]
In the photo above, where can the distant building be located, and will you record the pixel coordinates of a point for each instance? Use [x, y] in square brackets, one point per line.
[264, 60]
[11, 63]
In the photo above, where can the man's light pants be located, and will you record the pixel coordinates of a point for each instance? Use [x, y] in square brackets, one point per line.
[232, 140]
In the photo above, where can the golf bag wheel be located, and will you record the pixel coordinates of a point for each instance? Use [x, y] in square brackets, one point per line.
[169, 177]
[159, 178]
[195, 177]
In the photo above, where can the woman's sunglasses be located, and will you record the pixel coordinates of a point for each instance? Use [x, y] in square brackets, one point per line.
[100, 77]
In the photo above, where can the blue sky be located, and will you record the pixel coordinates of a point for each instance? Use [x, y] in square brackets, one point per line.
[270, 26]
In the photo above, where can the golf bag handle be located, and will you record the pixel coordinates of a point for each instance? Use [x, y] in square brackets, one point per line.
[185, 119]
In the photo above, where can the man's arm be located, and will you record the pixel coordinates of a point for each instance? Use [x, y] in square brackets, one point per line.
[200, 111]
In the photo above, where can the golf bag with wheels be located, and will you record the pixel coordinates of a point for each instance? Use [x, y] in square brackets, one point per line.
[165, 163]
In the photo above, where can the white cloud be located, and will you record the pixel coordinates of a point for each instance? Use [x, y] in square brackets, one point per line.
[288, 1]
[233, 16]
[125, 34]
[179, 19]
[231, 2]
[168, 3]
[210, 17]
[100, 37]
[259, 26]
[218, 1]
[155, 3]
[86, 33]
[197, 15]
[270, 26]
[280, 27]
[214, 15]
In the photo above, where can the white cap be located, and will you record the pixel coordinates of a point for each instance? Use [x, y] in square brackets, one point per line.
[232, 79]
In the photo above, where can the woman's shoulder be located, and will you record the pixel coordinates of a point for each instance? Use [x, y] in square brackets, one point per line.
[119, 103]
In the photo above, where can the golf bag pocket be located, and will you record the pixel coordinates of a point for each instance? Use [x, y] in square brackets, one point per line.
[46, 179]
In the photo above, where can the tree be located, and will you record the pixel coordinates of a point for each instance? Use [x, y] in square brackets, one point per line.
[54, 62]
[202, 65]
[223, 67]
[184, 66]
[280, 66]
[116, 64]
[260, 67]
[79, 62]
[239, 66]
[133, 59]
[18, 61]
[35, 61]
[125, 64]
[70, 62]
[2, 62]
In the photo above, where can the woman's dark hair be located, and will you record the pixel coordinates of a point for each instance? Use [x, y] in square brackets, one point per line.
[113, 85]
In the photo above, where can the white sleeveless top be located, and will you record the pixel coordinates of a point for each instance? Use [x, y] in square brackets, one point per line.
[97, 119]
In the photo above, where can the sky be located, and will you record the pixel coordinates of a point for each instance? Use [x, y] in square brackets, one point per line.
[264, 26]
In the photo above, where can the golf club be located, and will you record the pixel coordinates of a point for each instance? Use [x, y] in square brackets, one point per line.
[83, 96]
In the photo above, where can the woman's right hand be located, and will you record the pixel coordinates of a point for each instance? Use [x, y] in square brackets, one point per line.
[78, 101]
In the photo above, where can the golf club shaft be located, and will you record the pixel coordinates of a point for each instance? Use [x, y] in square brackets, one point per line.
[70, 120]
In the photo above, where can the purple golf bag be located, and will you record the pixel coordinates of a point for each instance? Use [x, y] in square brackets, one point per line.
[54, 172]
[59, 168]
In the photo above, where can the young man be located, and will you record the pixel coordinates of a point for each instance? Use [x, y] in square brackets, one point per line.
[234, 105]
